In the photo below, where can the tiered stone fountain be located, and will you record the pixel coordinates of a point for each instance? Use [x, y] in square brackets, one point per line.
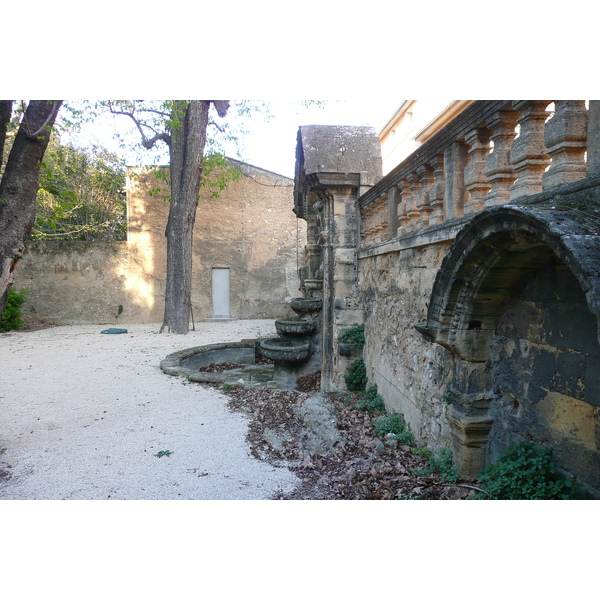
[297, 349]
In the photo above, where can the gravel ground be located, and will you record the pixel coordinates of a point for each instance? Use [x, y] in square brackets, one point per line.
[83, 415]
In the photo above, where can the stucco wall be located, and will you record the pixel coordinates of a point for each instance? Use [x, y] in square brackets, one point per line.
[250, 229]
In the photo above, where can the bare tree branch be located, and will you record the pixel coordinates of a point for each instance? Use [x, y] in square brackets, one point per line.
[146, 141]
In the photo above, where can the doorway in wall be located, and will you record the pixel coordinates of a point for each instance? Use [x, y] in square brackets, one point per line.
[220, 293]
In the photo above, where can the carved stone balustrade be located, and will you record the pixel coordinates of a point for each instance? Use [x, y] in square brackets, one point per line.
[491, 153]
[565, 137]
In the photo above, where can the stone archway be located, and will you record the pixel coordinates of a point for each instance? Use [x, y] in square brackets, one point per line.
[516, 301]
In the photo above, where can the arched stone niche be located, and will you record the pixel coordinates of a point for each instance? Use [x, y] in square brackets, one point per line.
[517, 303]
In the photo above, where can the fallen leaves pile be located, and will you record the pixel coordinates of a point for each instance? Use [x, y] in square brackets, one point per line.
[364, 466]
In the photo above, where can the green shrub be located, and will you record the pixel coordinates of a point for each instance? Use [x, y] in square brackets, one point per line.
[12, 315]
[355, 335]
[398, 427]
[370, 401]
[528, 472]
[442, 465]
[356, 376]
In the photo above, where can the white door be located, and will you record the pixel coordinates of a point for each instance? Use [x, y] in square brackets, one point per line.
[220, 293]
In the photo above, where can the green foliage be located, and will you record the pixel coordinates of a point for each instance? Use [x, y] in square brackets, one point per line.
[12, 315]
[228, 387]
[440, 464]
[81, 195]
[370, 401]
[355, 335]
[527, 471]
[217, 173]
[356, 376]
[163, 453]
[447, 395]
[396, 425]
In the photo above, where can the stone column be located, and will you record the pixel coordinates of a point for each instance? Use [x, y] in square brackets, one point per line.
[455, 161]
[475, 180]
[528, 152]
[565, 138]
[498, 168]
[436, 193]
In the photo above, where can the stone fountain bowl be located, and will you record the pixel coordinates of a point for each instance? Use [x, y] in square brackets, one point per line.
[305, 305]
[284, 350]
[294, 326]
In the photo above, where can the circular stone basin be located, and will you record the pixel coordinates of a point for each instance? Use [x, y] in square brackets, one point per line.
[294, 326]
[305, 305]
[282, 350]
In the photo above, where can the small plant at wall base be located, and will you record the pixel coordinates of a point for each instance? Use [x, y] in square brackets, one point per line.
[527, 471]
[441, 464]
[396, 425]
[356, 376]
[370, 401]
[355, 335]
[12, 315]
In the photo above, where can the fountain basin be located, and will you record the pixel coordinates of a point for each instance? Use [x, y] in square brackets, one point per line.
[306, 305]
[284, 350]
[294, 326]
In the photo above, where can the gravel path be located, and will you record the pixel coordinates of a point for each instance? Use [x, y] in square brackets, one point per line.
[83, 416]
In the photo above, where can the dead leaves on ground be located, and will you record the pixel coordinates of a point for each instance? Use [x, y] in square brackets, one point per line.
[364, 467]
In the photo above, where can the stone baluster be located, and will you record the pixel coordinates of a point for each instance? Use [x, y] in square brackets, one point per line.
[376, 222]
[426, 180]
[528, 152]
[382, 219]
[371, 231]
[403, 218]
[455, 161]
[436, 192]
[366, 232]
[565, 137]
[363, 226]
[475, 180]
[498, 168]
[413, 213]
[393, 197]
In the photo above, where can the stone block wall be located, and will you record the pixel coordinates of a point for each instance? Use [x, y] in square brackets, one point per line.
[410, 373]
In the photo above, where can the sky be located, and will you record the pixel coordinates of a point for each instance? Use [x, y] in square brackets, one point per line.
[270, 144]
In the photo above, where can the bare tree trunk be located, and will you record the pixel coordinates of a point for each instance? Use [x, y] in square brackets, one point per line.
[19, 187]
[186, 154]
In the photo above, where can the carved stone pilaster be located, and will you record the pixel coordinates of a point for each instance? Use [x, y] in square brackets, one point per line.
[565, 137]
[528, 152]
[498, 168]
[426, 180]
[475, 180]
[436, 193]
